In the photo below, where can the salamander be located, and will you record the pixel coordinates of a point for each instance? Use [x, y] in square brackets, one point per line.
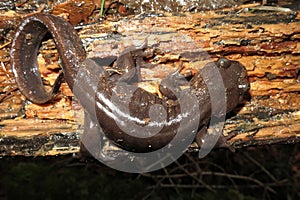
[131, 117]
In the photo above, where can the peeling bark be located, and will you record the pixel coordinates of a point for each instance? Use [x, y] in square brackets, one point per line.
[267, 43]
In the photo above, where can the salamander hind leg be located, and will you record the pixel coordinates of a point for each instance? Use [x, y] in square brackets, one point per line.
[92, 142]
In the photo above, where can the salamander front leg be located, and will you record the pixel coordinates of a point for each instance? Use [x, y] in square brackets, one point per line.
[203, 140]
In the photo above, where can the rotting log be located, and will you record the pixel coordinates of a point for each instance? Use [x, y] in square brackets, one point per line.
[267, 43]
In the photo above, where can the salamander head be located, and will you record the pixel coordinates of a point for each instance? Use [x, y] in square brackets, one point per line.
[235, 80]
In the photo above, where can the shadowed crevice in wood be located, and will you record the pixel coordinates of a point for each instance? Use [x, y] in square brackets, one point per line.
[267, 43]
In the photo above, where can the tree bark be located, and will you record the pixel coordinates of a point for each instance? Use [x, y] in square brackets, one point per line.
[266, 43]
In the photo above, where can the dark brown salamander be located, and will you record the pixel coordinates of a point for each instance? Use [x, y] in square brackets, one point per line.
[131, 117]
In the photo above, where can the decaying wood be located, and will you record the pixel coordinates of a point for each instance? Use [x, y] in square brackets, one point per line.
[267, 43]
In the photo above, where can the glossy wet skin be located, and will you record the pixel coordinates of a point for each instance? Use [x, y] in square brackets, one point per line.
[84, 75]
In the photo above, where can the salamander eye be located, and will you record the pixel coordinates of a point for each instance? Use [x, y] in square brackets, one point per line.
[224, 63]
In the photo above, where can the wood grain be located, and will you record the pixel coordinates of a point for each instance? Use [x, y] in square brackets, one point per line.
[267, 43]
